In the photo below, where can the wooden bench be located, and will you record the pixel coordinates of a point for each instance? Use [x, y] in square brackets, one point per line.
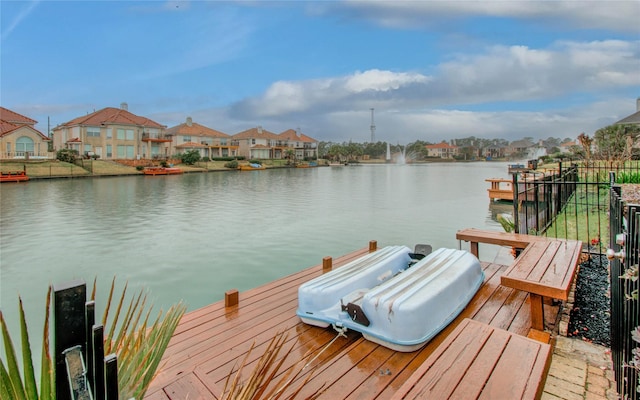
[479, 361]
[475, 236]
[545, 268]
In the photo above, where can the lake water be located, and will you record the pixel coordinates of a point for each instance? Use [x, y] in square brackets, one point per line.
[194, 236]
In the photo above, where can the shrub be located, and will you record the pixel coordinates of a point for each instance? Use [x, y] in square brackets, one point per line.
[190, 157]
[139, 167]
[231, 164]
[67, 155]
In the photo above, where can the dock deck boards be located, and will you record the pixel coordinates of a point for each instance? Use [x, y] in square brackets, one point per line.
[212, 341]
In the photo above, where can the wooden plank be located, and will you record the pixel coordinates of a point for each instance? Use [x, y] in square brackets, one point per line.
[188, 387]
[480, 361]
[517, 240]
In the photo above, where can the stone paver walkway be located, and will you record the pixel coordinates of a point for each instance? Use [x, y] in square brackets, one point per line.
[580, 370]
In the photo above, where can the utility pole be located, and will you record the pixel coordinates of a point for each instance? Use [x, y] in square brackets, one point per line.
[373, 128]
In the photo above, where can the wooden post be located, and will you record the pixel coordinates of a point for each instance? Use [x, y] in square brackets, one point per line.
[69, 322]
[327, 264]
[98, 362]
[111, 376]
[537, 311]
[231, 298]
[373, 246]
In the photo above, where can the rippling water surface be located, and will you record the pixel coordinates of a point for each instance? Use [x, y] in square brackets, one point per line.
[194, 236]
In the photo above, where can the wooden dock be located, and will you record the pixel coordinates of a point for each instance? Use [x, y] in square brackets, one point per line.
[210, 343]
[501, 189]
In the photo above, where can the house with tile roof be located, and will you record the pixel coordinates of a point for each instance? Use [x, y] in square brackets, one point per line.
[259, 143]
[20, 139]
[441, 150]
[633, 119]
[304, 147]
[113, 133]
[208, 142]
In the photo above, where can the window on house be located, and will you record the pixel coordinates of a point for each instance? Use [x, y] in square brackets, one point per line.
[93, 132]
[129, 134]
[109, 133]
[8, 148]
[186, 139]
[120, 134]
[87, 148]
[109, 151]
[24, 144]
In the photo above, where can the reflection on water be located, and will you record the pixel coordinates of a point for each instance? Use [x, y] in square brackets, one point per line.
[500, 207]
[194, 236]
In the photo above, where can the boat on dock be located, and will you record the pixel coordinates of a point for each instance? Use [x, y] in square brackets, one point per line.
[162, 171]
[252, 167]
[394, 297]
[14, 176]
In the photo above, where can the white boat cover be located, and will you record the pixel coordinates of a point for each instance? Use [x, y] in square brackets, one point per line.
[390, 301]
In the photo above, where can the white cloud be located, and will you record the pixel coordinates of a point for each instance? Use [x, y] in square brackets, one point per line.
[621, 16]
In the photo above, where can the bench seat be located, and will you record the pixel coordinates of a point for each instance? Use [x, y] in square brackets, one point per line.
[479, 361]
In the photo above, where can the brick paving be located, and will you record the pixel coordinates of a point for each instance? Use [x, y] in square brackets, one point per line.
[580, 370]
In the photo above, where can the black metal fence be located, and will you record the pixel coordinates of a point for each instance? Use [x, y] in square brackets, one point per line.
[82, 372]
[624, 254]
[583, 202]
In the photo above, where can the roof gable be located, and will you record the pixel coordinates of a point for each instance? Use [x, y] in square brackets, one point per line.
[256, 133]
[292, 135]
[195, 129]
[442, 145]
[112, 116]
[631, 119]
[15, 118]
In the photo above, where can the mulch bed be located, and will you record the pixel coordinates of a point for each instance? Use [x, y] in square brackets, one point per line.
[590, 317]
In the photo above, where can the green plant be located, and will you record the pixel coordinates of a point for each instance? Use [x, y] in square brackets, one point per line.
[231, 164]
[139, 167]
[138, 343]
[67, 155]
[507, 222]
[12, 385]
[190, 157]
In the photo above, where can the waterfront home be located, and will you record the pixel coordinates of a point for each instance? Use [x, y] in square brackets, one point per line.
[208, 142]
[259, 143]
[441, 150]
[19, 138]
[113, 133]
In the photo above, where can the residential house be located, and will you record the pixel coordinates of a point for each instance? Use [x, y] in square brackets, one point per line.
[633, 119]
[19, 138]
[567, 147]
[208, 142]
[259, 143]
[304, 147]
[441, 150]
[113, 133]
[494, 151]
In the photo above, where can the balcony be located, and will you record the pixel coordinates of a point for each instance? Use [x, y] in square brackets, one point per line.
[155, 137]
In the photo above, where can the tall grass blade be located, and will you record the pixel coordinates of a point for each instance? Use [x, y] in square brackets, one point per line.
[13, 371]
[30, 388]
[46, 364]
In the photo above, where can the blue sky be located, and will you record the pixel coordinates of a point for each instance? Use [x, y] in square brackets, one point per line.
[432, 70]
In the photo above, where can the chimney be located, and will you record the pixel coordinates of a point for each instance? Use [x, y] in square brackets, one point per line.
[259, 129]
[189, 121]
[298, 132]
[124, 106]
